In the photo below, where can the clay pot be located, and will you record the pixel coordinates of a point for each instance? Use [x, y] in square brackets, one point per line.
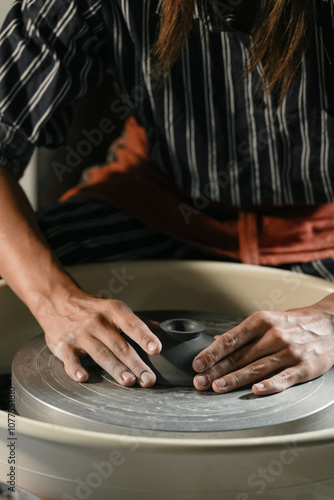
[182, 339]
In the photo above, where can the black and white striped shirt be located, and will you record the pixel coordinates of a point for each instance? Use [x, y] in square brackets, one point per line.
[209, 128]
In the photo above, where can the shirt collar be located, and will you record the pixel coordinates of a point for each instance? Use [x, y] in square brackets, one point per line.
[227, 20]
[224, 20]
[215, 23]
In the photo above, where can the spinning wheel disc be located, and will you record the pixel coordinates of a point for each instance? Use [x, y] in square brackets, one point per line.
[44, 392]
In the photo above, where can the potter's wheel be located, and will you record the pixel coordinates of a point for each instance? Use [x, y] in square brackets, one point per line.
[44, 392]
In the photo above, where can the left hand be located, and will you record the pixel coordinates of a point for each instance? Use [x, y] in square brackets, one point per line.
[272, 350]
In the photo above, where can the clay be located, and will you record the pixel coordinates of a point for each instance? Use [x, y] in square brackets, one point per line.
[6, 493]
[182, 339]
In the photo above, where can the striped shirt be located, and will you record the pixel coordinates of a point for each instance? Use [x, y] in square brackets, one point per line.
[210, 129]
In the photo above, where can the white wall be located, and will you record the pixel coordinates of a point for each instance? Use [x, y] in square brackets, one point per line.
[4, 7]
[28, 182]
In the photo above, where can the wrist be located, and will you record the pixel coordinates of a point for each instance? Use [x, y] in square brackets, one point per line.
[327, 303]
[52, 291]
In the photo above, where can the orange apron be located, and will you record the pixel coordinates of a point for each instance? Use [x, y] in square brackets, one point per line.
[132, 183]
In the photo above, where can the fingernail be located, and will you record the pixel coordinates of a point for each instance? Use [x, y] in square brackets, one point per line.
[80, 374]
[202, 381]
[126, 376]
[221, 383]
[152, 346]
[146, 378]
[259, 386]
[199, 365]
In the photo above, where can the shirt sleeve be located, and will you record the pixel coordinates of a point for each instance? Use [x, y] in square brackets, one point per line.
[51, 52]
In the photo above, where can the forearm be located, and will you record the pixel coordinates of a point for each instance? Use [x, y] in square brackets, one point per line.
[74, 321]
[26, 263]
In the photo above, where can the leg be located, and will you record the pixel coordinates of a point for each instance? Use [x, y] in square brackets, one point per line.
[82, 230]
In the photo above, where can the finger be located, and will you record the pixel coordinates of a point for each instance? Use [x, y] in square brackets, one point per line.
[282, 381]
[252, 327]
[276, 341]
[153, 325]
[114, 354]
[121, 361]
[239, 359]
[135, 328]
[71, 361]
[251, 373]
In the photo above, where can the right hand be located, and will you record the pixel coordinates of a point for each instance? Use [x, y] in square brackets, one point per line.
[88, 324]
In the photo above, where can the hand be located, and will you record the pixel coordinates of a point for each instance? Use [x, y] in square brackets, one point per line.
[86, 324]
[74, 322]
[274, 349]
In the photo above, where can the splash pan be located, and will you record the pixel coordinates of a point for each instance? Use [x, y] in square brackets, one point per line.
[46, 393]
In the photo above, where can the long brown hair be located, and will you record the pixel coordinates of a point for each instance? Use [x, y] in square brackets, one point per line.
[280, 36]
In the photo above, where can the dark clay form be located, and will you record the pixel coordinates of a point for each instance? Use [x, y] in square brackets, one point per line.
[182, 339]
